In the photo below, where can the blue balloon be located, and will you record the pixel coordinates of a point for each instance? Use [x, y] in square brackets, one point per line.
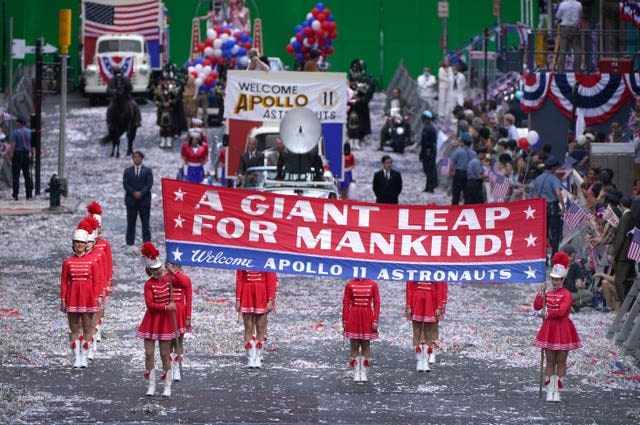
[298, 28]
[244, 37]
[330, 18]
[538, 143]
[241, 52]
[228, 44]
[296, 45]
[226, 53]
[299, 57]
[320, 6]
[199, 61]
[309, 21]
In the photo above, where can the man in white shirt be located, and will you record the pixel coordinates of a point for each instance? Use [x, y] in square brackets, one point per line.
[445, 81]
[458, 87]
[568, 17]
[426, 87]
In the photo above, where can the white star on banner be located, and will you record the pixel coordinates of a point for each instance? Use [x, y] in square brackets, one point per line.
[531, 273]
[179, 194]
[529, 213]
[531, 240]
[179, 221]
[177, 255]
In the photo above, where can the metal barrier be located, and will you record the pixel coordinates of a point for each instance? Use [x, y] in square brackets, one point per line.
[625, 331]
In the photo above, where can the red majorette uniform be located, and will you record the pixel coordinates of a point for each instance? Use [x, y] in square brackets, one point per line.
[157, 323]
[557, 331]
[424, 298]
[182, 293]
[254, 290]
[80, 284]
[95, 211]
[194, 158]
[360, 308]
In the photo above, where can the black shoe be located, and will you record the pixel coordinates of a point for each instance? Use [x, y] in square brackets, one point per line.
[15, 198]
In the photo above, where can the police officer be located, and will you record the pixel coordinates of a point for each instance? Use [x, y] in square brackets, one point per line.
[547, 185]
[460, 160]
[428, 151]
[474, 193]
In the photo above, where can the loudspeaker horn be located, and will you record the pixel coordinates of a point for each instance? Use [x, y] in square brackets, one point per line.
[300, 130]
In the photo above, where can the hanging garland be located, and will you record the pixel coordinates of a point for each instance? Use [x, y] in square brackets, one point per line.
[599, 96]
[632, 81]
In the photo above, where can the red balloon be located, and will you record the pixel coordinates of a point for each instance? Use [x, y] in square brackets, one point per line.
[523, 143]
[332, 25]
[333, 35]
[201, 47]
[322, 16]
[299, 37]
[208, 42]
[289, 49]
[327, 11]
[307, 31]
[326, 25]
[214, 74]
[320, 33]
[311, 40]
[315, 11]
[329, 50]
[194, 74]
[206, 62]
[209, 80]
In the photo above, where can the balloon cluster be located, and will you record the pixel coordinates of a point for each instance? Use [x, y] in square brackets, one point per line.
[317, 32]
[532, 140]
[224, 44]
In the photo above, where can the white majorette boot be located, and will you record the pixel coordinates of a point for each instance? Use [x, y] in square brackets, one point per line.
[93, 347]
[364, 365]
[167, 383]
[84, 351]
[162, 142]
[418, 358]
[355, 365]
[77, 360]
[251, 354]
[548, 384]
[169, 142]
[175, 366]
[432, 353]
[258, 354]
[557, 388]
[98, 335]
[150, 377]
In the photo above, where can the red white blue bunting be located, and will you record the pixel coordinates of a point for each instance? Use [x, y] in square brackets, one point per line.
[106, 64]
[599, 96]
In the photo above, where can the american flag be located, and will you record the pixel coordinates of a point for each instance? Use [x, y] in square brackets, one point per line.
[444, 167]
[610, 216]
[499, 187]
[573, 216]
[634, 246]
[122, 17]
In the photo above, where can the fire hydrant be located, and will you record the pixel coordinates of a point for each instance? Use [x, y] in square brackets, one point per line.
[57, 187]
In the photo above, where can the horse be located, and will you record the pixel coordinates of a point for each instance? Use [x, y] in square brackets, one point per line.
[122, 116]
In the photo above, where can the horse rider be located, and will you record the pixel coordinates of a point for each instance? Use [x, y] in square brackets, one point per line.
[120, 82]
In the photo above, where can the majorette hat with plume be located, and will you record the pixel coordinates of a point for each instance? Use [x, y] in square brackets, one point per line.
[81, 234]
[151, 256]
[95, 210]
[560, 265]
[93, 224]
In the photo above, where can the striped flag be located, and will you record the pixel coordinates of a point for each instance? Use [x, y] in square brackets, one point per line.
[8, 117]
[500, 186]
[444, 167]
[122, 17]
[610, 216]
[573, 216]
[634, 246]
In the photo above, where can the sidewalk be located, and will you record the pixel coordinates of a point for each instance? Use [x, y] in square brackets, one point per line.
[37, 206]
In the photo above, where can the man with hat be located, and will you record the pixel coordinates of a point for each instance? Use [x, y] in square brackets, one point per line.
[21, 154]
[459, 161]
[474, 193]
[549, 186]
[428, 151]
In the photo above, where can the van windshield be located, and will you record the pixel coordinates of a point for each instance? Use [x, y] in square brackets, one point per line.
[115, 45]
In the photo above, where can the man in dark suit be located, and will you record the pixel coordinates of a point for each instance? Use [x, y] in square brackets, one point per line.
[251, 158]
[622, 265]
[387, 183]
[137, 181]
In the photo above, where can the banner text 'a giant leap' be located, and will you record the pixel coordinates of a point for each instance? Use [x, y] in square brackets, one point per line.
[218, 227]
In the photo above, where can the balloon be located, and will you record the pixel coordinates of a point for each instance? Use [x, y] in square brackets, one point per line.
[320, 6]
[224, 37]
[309, 16]
[307, 31]
[206, 70]
[243, 61]
[208, 51]
[533, 137]
[298, 28]
[235, 49]
[242, 51]
[207, 63]
[299, 57]
[523, 143]
[214, 74]
[290, 49]
[315, 11]
[316, 25]
[191, 68]
[217, 43]
[198, 82]
[198, 61]
[217, 52]
[211, 33]
[333, 35]
[209, 80]
[194, 74]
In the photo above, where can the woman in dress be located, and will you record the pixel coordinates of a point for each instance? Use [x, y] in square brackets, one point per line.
[195, 154]
[80, 294]
[349, 165]
[557, 335]
[424, 308]
[255, 299]
[163, 319]
[182, 294]
[360, 316]
[239, 16]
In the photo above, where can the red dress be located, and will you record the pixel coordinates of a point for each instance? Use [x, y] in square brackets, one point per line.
[557, 331]
[254, 290]
[424, 298]
[104, 246]
[360, 308]
[80, 283]
[182, 294]
[157, 323]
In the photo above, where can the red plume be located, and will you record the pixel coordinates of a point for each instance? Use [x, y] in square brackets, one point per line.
[560, 258]
[84, 225]
[92, 222]
[149, 251]
[94, 208]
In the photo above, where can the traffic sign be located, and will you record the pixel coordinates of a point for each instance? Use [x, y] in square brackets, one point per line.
[443, 9]
[20, 49]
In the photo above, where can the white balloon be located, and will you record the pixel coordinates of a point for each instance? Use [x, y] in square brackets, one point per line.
[211, 33]
[217, 52]
[208, 51]
[199, 67]
[309, 15]
[224, 37]
[532, 137]
[292, 39]
[243, 60]
[191, 69]
[206, 70]
[198, 81]
[235, 49]
[306, 42]
[316, 25]
[217, 43]
[232, 38]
